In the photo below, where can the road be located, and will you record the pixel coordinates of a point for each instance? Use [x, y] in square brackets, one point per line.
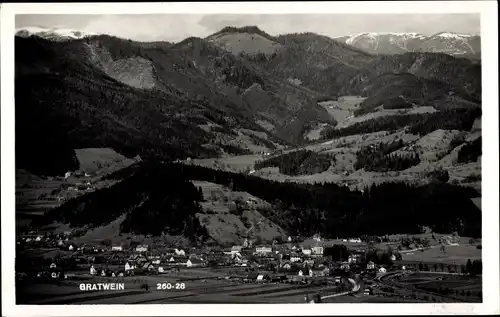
[355, 288]
[386, 280]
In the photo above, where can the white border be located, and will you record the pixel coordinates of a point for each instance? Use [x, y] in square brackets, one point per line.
[489, 25]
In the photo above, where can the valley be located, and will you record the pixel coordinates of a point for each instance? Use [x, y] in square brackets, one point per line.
[296, 158]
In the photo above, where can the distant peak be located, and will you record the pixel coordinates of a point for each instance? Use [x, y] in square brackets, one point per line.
[252, 29]
[53, 33]
[452, 35]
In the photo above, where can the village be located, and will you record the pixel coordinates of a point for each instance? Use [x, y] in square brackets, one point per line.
[261, 263]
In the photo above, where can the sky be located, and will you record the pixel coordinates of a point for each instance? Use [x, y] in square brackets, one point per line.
[176, 27]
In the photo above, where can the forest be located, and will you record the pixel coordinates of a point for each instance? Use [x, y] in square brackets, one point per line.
[302, 162]
[452, 119]
[470, 151]
[377, 158]
[159, 197]
[332, 210]
[154, 201]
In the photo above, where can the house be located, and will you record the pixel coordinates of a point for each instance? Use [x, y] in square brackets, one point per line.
[286, 266]
[160, 269]
[118, 248]
[382, 270]
[393, 257]
[236, 249]
[355, 240]
[246, 243]
[317, 237]
[354, 258]
[193, 262]
[93, 271]
[345, 266]
[180, 252]
[309, 262]
[317, 250]
[295, 258]
[71, 247]
[306, 251]
[156, 262]
[289, 239]
[53, 266]
[129, 267]
[148, 266]
[300, 273]
[263, 249]
[263, 277]
[370, 265]
[142, 248]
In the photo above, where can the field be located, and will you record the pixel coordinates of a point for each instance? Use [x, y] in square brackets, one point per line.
[461, 287]
[455, 255]
[227, 227]
[195, 290]
[35, 195]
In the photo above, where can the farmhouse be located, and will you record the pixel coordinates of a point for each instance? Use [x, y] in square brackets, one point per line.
[370, 265]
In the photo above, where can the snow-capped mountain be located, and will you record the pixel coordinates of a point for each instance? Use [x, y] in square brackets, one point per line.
[53, 34]
[397, 43]
[453, 44]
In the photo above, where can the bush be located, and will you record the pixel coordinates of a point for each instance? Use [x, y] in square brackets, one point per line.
[439, 175]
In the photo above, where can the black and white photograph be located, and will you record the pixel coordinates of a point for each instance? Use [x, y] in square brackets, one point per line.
[250, 157]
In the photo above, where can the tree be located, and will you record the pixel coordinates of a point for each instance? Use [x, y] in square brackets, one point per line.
[442, 248]
[106, 242]
[463, 269]
[468, 267]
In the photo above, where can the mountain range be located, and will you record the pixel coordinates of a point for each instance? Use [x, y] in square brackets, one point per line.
[241, 92]
[456, 44]
[460, 45]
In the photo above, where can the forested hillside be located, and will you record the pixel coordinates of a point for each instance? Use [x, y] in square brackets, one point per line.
[327, 209]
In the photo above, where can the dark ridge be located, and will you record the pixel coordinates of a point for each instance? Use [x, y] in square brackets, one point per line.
[245, 29]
